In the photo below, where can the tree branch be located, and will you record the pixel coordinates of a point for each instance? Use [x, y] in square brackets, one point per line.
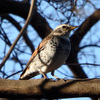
[21, 9]
[45, 88]
[18, 26]
[20, 34]
[76, 38]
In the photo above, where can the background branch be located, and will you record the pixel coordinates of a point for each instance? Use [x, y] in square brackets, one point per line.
[76, 38]
[18, 26]
[20, 34]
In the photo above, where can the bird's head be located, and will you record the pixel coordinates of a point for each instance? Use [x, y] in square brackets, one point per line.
[63, 30]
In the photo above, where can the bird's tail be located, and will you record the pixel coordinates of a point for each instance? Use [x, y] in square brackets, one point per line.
[28, 76]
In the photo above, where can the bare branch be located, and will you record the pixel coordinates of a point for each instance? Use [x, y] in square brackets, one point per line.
[91, 45]
[76, 38]
[20, 34]
[84, 64]
[18, 26]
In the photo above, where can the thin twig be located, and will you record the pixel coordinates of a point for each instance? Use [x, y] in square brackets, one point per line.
[83, 64]
[21, 33]
[13, 74]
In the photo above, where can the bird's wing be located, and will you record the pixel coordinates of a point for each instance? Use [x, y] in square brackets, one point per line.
[38, 49]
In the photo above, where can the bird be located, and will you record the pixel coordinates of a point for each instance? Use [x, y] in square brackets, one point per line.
[51, 53]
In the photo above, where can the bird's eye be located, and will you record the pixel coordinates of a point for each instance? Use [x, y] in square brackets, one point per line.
[64, 27]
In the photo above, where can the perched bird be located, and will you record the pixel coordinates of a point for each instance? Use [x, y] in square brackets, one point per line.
[50, 54]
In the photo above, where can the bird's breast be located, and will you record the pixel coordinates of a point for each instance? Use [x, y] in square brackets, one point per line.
[51, 56]
[55, 53]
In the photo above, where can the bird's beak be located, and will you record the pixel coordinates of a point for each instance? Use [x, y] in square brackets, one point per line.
[73, 27]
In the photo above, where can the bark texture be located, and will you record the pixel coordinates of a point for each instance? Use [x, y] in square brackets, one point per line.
[45, 88]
